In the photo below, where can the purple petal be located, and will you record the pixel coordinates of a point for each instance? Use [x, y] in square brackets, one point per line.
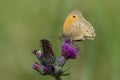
[69, 51]
[36, 66]
[48, 69]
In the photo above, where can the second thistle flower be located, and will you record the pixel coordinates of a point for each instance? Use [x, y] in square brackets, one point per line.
[69, 50]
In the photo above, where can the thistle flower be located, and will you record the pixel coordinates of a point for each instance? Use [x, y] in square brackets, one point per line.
[69, 50]
[48, 56]
[36, 66]
[48, 69]
[37, 53]
[49, 64]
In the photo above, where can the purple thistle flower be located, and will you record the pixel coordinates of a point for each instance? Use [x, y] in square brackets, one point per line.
[49, 64]
[69, 51]
[48, 69]
[38, 54]
[36, 66]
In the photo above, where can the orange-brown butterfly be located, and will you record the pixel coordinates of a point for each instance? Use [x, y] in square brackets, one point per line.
[77, 28]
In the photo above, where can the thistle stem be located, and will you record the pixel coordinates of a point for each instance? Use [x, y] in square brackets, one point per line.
[58, 78]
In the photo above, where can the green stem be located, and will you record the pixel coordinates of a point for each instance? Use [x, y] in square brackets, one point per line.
[58, 78]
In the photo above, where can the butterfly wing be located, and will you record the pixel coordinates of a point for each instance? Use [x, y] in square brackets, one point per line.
[80, 30]
[73, 16]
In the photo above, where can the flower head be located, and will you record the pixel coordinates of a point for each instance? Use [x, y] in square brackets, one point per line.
[49, 64]
[36, 66]
[48, 56]
[37, 53]
[48, 69]
[69, 51]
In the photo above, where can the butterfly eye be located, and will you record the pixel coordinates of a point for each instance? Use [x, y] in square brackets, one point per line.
[74, 16]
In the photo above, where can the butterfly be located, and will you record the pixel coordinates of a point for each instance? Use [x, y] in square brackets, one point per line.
[77, 28]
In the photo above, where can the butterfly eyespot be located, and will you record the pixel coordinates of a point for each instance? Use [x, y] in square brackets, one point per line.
[74, 16]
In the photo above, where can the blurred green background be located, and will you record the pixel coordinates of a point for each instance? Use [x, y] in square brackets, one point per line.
[24, 22]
